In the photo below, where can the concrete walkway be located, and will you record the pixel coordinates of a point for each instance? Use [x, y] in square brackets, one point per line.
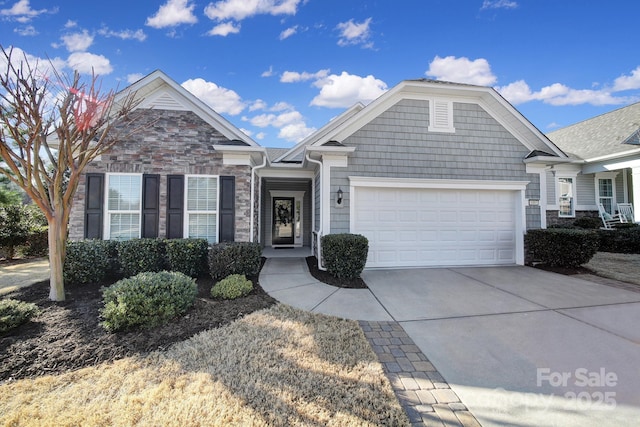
[519, 346]
[23, 274]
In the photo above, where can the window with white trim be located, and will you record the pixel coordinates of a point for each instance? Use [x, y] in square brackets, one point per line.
[606, 190]
[124, 195]
[566, 196]
[201, 207]
[441, 116]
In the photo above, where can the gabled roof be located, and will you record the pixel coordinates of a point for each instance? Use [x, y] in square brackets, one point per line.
[424, 89]
[611, 134]
[159, 91]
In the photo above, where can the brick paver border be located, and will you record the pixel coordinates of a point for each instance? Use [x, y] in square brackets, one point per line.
[421, 390]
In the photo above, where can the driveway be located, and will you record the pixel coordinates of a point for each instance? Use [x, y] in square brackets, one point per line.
[522, 346]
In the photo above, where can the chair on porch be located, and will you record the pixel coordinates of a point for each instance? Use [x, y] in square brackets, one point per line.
[625, 210]
[609, 220]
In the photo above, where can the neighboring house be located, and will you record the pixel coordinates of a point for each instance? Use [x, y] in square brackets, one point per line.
[605, 163]
[432, 173]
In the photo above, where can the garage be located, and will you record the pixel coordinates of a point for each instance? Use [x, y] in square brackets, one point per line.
[427, 224]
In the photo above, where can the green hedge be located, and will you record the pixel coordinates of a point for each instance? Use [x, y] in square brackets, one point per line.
[345, 255]
[232, 287]
[559, 247]
[141, 255]
[230, 258]
[147, 300]
[14, 313]
[87, 261]
[188, 256]
[624, 240]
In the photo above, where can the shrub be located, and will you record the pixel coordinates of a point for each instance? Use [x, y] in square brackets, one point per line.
[188, 256]
[562, 247]
[234, 258]
[588, 223]
[141, 255]
[345, 255]
[87, 261]
[14, 227]
[37, 242]
[624, 240]
[147, 300]
[14, 313]
[232, 287]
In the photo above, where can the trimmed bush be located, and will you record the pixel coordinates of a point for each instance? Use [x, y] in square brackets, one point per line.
[14, 313]
[141, 255]
[188, 256]
[14, 228]
[558, 247]
[232, 287]
[230, 258]
[623, 240]
[87, 261]
[345, 255]
[147, 300]
[37, 242]
[588, 223]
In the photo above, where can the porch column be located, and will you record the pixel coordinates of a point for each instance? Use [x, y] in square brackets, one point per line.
[635, 182]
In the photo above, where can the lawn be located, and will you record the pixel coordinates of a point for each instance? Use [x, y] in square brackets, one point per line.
[244, 362]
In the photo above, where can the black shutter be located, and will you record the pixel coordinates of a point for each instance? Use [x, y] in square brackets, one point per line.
[94, 206]
[150, 205]
[175, 206]
[227, 214]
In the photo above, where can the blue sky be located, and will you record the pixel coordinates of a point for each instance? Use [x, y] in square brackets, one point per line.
[279, 69]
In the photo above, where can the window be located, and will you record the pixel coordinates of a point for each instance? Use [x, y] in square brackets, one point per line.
[566, 200]
[202, 208]
[123, 206]
[605, 194]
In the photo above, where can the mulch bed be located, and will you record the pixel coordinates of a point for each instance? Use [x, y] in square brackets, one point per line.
[325, 277]
[68, 336]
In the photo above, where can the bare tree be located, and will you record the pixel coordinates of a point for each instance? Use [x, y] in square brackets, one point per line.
[51, 127]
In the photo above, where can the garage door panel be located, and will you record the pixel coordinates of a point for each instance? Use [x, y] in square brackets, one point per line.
[431, 227]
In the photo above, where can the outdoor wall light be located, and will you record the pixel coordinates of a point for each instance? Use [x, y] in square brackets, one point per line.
[339, 200]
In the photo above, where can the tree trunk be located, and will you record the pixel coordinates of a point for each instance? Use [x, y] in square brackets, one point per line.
[57, 249]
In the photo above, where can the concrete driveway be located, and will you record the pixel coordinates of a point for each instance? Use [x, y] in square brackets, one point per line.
[521, 346]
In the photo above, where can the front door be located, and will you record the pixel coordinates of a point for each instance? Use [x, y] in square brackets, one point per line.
[283, 221]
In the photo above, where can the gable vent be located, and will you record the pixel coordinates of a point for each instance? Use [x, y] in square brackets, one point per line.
[441, 116]
[167, 102]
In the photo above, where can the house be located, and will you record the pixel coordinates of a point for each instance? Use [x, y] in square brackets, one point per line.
[604, 164]
[432, 173]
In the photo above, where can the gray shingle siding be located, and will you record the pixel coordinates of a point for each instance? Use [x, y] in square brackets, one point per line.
[397, 144]
[585, 190]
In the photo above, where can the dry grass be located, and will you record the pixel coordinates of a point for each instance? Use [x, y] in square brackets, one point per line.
[623, 267]
[279, 366]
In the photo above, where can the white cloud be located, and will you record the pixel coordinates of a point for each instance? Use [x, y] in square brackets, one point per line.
[462, 70]
[88, 63]
[123, 34]
[268, 73]
[352, 33]
[29, 30]
[241, 9]
[173, 13]
[77, 42]
[222, 100]
[70, 24]
[295, 132]
[294, 76]
[246, 131]
[291, 123]
[260, 136]
[22, 12]
[44, 67]
[288, 32]
[224, 29]
[558, 94]
[628, 82]
[258, 104]
[132, 78]
[499, 4]
[344, 90]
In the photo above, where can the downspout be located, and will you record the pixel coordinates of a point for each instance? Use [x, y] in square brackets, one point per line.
[319, 244]
[253, 195]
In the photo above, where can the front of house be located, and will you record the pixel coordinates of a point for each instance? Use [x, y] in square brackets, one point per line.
[432, 173]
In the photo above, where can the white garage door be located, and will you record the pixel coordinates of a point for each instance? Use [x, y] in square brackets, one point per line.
[415, 227]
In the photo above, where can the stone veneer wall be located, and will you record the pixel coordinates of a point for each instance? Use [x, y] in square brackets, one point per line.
[169, 143]
[554, 220]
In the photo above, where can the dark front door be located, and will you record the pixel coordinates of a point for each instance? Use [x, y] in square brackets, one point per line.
[283, 232]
